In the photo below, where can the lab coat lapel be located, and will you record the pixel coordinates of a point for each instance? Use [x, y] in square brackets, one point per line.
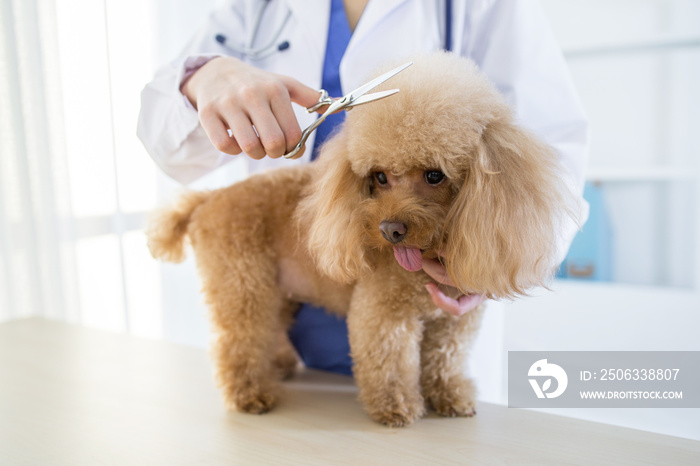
[373, 16]
[359, 59]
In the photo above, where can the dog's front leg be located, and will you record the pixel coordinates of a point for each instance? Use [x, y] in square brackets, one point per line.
[444, 353]
[385, 334]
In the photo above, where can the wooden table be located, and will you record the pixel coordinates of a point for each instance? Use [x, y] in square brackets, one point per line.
[71, 395]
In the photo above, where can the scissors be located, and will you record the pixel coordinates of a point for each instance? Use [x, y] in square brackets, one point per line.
[356, 97]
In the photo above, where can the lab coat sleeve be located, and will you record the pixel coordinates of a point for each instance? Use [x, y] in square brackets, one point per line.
[168, 125]
[514, 46]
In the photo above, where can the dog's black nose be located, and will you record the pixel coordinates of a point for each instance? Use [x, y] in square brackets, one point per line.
[393, 232]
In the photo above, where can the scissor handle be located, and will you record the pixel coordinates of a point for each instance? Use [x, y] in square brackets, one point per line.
[304, 136]
[333, 106]
[324, 99]
[356, 97]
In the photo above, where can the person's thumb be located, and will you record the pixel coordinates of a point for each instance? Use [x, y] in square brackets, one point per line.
[300, 93]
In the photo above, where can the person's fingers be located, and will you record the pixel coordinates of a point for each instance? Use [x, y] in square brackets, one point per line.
[217, 132]
[244, 134]
[255, 105]
[284, 114]
[269, 131]
[457, 307]
[299, 93]
[443, 302]
[437, 272]
[467, 302]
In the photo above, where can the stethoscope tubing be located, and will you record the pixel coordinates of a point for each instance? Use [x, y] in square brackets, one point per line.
[266, 50]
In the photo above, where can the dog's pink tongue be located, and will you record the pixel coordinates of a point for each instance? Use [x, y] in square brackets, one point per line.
[408, 258]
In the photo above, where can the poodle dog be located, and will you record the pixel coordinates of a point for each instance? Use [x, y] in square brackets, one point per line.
[439, 170]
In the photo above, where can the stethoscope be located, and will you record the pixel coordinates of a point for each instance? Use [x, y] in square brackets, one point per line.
[258, 53]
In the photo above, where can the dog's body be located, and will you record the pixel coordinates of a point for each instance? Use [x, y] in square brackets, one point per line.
[433, 173]
[255, 271]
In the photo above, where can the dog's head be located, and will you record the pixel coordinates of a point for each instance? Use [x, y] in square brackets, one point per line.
[438, 169]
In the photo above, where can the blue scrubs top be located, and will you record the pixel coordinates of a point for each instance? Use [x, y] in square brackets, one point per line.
[321, 339]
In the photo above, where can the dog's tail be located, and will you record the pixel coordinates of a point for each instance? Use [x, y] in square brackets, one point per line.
[167, 229]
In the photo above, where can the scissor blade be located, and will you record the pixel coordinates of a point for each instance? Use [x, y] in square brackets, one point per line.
[365, 99]
[362, 90]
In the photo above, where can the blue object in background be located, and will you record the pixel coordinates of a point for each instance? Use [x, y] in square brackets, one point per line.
[590, 255]
[321, 339]
[338, 39]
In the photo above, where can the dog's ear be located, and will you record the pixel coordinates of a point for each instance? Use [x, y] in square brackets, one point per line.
[330, 215]
[503, 229]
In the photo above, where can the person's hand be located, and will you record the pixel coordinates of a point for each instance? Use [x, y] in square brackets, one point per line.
[459, 306]
[229, 94]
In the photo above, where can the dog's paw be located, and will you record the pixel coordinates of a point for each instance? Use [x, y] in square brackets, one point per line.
[285, 364]
[398, 412]
[249, 401]
[452, 408]
[395, 418]
[453, 399]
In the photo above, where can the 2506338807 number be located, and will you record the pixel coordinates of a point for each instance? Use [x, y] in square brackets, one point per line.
[639, 374]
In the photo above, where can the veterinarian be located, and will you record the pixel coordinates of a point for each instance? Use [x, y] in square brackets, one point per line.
[254, 58]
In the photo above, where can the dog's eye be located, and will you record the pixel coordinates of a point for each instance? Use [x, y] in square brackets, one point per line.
[434, 176]
[381, 178]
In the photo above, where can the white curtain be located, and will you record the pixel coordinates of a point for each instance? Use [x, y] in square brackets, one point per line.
[37, 240]
[76, 186]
